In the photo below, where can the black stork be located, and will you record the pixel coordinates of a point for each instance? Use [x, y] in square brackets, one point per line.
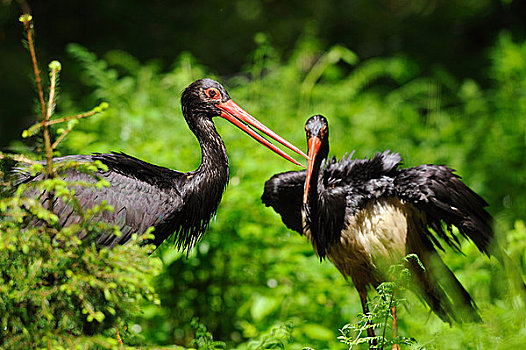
[362, 213]
[144, 195]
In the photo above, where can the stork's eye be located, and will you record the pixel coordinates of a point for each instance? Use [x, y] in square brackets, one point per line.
[212, 93]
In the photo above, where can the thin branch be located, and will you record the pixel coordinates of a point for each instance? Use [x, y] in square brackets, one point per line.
[72, 117]
[28, 24]
[47, 139]
[51, 100]
[60, 138]
[33, 128]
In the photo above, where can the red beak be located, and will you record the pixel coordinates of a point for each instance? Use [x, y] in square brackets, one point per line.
[237, 115]
[314, 144]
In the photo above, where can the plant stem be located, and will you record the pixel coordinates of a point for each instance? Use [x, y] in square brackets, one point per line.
[38, 81]
[386, 317]
[46, 112]
[60, 138]
[47, 138]
[27, 25]
[72, 117]
[32, 129]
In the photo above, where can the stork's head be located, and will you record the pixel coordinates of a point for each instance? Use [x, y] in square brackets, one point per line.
[317, 127]
[205, 98]
[317, 131]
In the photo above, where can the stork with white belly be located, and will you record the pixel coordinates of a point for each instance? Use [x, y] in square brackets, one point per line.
[365, 214]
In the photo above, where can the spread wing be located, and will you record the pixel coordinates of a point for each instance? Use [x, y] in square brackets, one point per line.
[284, 193]
[444, 197]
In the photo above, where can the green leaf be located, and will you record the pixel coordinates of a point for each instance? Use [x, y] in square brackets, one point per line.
[316, 331]
[262, 306]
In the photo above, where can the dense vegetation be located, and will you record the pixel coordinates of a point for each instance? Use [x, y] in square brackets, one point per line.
[256, 285]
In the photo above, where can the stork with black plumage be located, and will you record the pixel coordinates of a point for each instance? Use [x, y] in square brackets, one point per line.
[144, 195]
[364, 214]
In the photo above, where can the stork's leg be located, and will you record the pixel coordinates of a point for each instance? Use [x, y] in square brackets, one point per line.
[395, 327]
[370, 330]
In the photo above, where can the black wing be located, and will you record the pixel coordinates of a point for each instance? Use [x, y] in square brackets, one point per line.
[139, 194]
[361, 179]
[284, 193]
[444, 197]
[354, 172]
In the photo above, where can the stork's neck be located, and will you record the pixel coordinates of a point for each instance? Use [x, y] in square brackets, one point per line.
[312, 206]
[201, 190]
[312, 215]
[214, 160]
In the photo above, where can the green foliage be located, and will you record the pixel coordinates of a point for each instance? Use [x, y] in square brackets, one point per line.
[497, 141]
[278, 338]
[57, 289]
[250, 274]
[203, 339]
[380, 316]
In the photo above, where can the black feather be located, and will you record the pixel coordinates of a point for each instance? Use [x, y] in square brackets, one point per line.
[284, 192]
[435, 200]
[145, 195]
[445, 198]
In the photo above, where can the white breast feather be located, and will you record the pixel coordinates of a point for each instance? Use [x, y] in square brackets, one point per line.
[380, 229]
[374, 236]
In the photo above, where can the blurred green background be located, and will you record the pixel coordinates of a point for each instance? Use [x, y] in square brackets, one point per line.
[438, 81]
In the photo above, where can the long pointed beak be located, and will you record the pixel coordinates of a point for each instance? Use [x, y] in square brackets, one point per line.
[314, 144]
[237, 115]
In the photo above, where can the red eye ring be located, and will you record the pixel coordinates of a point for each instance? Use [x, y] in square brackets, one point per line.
[213, 93]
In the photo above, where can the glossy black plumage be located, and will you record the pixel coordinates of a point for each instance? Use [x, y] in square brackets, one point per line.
[139, 192]
[144, 195]
[342, 194]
